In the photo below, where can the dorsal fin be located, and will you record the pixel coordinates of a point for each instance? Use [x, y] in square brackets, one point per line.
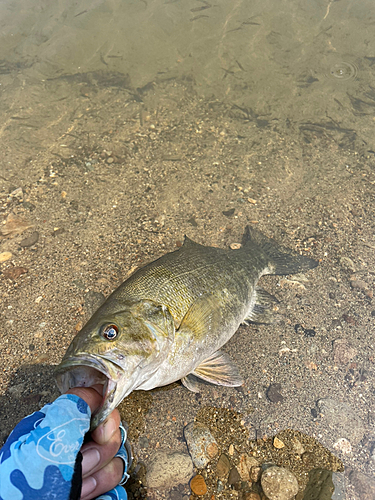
[190, 243]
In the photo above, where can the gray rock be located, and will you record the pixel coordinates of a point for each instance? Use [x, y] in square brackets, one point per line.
[222, 466]
[30, 240]
[364, 485]
[273, 393]
[342, 420]
[279, 483]
[167, 470]
[338, 479]
[201, 444]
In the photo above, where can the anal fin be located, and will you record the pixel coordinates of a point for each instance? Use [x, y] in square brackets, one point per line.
[263, 309]
[219, 369]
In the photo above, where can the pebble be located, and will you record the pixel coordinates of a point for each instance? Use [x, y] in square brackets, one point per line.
[343, 352]
[219, 486]
[167, 470]
[30, 240]
[298, 447]
[222, 466]
[15, 272]
[343, 445]
[228, 213]
[201, 444]
[4, 256]
[198, 485]
[251, 495]
[273, 393]
[278, 443]
[234, 477]
[255, 473]
[235, 246]
[279, 483]
[144, 442]
[245, 466]
[342, 419]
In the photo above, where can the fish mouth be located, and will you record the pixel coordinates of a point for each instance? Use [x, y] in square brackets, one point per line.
[86, 371]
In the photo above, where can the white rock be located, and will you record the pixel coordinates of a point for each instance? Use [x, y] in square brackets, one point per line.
[279, 483]
[167, 470]
[343, 445]
[201, 444]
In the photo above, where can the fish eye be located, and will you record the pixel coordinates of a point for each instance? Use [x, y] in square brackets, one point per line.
[110, 332]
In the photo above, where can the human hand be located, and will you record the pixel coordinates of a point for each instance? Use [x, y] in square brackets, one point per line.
[44, 455]
[101, 470]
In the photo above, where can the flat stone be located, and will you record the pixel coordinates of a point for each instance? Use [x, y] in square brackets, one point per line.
[4, 256]
[30, 240]
[279, 483]
[201, 444]
[364, 485]
[198, 485]
[222, 466]
[15, 272]
[342, 419]
[234, 476]
[167, 470]
[273, 393]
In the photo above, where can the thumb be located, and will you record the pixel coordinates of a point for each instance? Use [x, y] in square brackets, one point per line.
[92, 395]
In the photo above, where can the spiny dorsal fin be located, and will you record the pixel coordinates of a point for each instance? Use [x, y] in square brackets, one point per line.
[190, 243]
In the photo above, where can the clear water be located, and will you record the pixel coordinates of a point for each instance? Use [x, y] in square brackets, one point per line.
[130, 123]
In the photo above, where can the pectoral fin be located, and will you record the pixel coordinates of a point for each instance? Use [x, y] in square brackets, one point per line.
[202, 319]
[191, 383]
[219, 369]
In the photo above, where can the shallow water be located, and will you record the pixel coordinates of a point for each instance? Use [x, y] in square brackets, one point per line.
[129, 124]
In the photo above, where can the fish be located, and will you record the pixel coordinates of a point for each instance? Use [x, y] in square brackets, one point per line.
[170, 319]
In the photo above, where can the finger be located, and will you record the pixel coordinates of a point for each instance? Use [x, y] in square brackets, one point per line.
[96, 456]
[103, 480]
[105, 430]
[88, 394]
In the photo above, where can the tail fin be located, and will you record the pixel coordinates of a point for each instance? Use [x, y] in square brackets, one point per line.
[280, 261]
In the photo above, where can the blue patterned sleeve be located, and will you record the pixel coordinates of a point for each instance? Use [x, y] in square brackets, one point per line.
[38, 460]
